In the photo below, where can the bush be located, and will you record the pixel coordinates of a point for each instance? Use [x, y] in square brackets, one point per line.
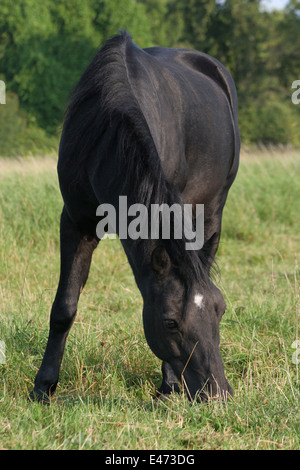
[270, 122]
[19, 138]
[12, 124]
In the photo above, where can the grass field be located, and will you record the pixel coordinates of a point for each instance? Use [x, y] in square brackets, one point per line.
[105, 398]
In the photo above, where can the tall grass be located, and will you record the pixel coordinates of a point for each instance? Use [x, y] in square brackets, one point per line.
[106, 394]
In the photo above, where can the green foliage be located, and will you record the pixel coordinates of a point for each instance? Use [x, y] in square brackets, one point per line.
[287, 45]
[110, 16]
[17, 137]
[45, 46]
[196, 16]
[12, 123]
[270, 121]
[165, 21]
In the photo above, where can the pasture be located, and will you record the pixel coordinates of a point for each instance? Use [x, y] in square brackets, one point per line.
[106, 395]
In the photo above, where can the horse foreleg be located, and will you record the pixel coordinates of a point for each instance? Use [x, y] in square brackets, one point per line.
[76, 254]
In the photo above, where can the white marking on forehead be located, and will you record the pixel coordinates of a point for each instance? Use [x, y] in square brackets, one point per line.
[198, 299]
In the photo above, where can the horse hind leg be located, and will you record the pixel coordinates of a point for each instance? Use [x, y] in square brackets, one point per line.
[76, 253]
[169, 383]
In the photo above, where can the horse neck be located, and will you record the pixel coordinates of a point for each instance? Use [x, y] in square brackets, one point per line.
[138, 253]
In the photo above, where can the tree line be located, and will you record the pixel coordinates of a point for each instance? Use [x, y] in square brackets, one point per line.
[45, 47]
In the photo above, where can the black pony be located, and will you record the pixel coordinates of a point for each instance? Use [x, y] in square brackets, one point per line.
[158, 126]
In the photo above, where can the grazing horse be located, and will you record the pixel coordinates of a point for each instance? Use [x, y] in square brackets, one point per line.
[158, 126]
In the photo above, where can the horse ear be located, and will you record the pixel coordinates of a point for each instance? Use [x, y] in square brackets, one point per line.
[208, 251]
[211, 244]
[160, 261]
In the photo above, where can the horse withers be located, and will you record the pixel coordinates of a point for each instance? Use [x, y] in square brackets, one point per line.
[158, 126]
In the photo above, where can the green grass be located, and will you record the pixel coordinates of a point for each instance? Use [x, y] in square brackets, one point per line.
[105, 398]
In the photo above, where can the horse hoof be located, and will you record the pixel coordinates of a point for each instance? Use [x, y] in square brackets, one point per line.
[39, 397]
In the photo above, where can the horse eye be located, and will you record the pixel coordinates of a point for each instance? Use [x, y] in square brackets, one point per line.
[171, 324]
